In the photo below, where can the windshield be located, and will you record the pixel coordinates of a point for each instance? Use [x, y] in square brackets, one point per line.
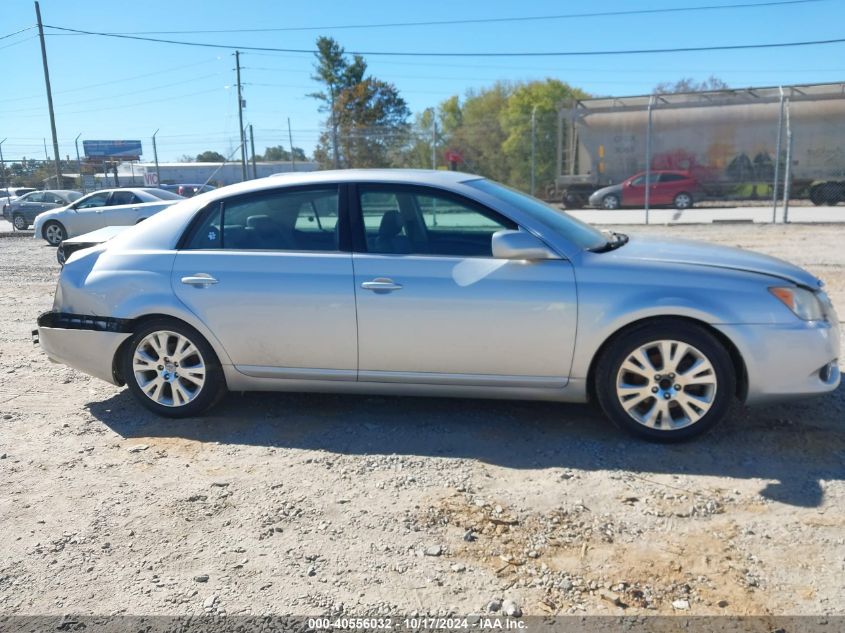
[73, 197]
[579, 233]
[161, 194]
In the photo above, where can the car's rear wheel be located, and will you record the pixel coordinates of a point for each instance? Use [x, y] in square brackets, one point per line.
[54, 233]
[682, 201]
[665, 381]
[610, 201]
[172, 370]
[20, 223]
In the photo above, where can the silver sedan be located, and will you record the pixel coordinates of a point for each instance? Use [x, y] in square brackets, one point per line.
[435, 283]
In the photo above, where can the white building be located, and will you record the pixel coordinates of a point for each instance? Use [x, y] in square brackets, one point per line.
[140, 174]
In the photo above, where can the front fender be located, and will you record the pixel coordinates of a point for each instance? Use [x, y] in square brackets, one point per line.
[613, 297]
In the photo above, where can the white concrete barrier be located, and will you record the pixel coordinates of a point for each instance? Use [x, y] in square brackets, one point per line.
[705, 215]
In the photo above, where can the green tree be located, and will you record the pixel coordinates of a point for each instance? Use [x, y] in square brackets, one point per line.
[476, 129]
[368, 119]
[688, 84]
[210, 156]
[336, 73]
[540, 100]
[418, 152]
[279, 153]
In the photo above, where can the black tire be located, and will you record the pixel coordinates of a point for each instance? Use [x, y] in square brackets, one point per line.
[54, 233]
[573, 201]
[611, 202]
[20, 223]
[683, 201]
[212, 390]
[60, 255]
[609, 371]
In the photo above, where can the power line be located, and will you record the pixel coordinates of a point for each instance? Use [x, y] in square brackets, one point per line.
[126, 106]
[29, 28]
[26, 39]
[156, 73]
[643, 51]
[181, 82]
[566, 16]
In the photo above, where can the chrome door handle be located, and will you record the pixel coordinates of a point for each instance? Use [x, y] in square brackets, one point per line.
[381, 284]
[200, 279]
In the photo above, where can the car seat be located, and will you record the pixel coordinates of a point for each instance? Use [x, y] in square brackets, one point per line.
[389, 239]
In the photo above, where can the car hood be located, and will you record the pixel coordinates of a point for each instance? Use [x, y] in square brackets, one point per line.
[694, 253]
[606, 190]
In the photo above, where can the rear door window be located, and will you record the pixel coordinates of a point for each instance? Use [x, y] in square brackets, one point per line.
[123, 197]
[283, 220]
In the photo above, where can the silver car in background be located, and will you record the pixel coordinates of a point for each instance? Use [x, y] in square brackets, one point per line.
[435, 283]
[107, 207]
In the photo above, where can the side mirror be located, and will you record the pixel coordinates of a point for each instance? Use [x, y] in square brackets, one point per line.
[520, 245]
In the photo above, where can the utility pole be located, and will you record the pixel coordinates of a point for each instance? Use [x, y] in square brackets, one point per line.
[155, 158]
[533, 147]
[241, 116]
[3, 167]
[777, 160]
[787, 176]
[290, 139]
[49, 98]
[334, 131]
[651, 101]
[79, 163]
[252, 150]
[433, 140]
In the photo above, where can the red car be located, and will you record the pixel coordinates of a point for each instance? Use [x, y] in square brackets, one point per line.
[668, 188]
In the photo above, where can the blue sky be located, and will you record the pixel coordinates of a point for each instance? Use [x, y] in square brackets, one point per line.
[106, 88]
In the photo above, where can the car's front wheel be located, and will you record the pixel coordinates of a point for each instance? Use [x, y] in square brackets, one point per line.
[20, 223]
[610, 202]
[665, 381]
[54, 233]
[172, 370]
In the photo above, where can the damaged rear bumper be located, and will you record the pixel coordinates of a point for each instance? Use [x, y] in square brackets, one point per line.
[87, 343]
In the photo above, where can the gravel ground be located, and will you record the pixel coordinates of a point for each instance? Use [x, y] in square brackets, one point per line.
[315, 504]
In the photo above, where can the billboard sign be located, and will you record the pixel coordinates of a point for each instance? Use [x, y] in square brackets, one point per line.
[112, 150]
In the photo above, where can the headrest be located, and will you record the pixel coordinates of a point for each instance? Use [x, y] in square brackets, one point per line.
[391, 224]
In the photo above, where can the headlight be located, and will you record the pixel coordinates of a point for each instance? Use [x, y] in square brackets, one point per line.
[804, 303]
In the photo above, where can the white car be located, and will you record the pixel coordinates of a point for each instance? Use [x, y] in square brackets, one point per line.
[10, 194]
[108, 207]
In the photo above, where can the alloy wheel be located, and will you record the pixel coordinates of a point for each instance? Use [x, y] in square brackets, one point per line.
[666, 385]
[54, 234]
[610, 202]
[169, 368]
[20, 223]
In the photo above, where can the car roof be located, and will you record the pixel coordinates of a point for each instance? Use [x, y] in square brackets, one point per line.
[132, 189]
[404, 176]
[426, 176]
